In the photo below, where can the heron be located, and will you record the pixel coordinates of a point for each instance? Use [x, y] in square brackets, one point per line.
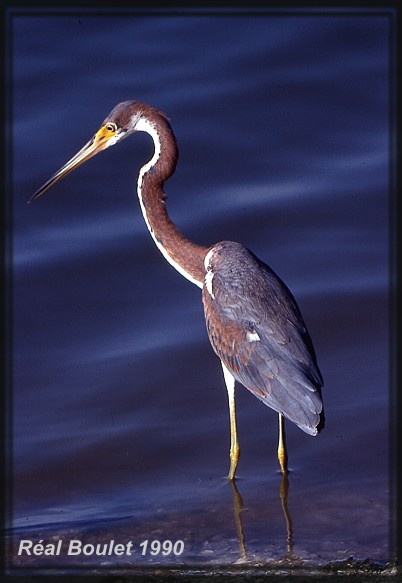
[252, 319]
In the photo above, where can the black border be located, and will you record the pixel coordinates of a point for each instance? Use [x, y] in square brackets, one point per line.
[337, 572]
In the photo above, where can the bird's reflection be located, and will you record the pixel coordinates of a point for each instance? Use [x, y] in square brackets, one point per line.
[238, 507]
[283, 494]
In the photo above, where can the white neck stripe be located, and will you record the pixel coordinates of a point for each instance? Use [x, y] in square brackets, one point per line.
[143, 125]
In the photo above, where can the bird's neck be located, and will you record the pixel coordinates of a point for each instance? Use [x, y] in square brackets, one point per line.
[184, 255]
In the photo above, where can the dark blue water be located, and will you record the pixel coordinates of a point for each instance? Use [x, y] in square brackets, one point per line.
[119, 422]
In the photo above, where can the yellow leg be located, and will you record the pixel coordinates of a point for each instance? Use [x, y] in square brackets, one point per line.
[234, 441]
[282, 452]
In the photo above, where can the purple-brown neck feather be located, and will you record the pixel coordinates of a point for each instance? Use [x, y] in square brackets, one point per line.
[183, 252]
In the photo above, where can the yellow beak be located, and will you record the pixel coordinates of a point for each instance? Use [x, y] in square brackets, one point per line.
[103, 138]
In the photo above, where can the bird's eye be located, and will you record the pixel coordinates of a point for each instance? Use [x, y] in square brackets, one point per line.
[111, 127]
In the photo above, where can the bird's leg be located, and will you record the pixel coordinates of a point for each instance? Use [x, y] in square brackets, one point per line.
[282, 451]
[234, 442]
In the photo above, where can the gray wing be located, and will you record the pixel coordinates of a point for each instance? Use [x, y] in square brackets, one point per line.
[257, 330]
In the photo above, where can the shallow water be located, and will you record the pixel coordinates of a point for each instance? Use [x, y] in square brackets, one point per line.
[119, 419]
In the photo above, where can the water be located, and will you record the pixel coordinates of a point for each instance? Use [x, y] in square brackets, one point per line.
[119, 419]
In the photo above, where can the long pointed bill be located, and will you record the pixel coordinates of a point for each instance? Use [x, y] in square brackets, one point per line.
[101, 140]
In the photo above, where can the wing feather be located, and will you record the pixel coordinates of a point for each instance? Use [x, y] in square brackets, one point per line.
[257, 330]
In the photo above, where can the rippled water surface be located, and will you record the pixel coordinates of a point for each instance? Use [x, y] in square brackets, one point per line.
[119, 420]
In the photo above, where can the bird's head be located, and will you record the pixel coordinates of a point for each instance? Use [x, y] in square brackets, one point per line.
[122, 121]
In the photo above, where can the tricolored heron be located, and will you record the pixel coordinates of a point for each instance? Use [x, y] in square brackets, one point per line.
[253, 321]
